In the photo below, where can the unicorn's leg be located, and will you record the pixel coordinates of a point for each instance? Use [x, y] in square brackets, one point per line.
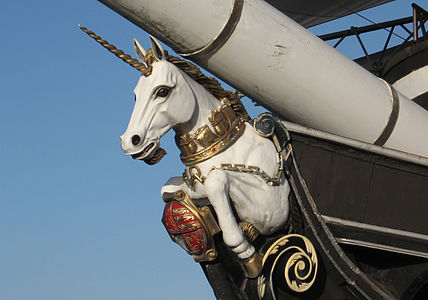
[177, 183]
[264, 206]
[217, 189]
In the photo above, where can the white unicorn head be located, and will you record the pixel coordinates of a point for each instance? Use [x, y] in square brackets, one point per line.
[163, 100]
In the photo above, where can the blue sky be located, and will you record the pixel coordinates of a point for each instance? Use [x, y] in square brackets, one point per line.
[79, 219]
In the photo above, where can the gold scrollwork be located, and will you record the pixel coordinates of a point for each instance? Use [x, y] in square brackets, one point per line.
[296, 257]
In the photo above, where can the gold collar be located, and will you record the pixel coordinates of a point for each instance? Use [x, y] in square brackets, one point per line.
[204, 143]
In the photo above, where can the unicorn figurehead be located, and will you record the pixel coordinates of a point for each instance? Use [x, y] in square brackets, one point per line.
[227, 161]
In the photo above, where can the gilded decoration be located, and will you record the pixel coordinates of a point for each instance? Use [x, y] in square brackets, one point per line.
[186, 144]
[142, 67]
[227, 126]
[190, 227]
[204, 136]
[294, 257]
[193, 173]
[249, 230]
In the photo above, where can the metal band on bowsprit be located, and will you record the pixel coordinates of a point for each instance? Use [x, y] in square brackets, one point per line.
[213, 46]
[389, 128]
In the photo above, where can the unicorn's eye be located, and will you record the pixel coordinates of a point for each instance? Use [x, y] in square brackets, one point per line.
[163, 92]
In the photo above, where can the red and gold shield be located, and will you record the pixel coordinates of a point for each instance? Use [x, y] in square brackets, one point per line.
[185, 228]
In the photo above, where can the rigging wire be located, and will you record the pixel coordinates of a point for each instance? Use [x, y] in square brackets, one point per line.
[367, 19]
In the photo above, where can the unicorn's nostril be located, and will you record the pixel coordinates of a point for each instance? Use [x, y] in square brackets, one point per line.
[135, 140]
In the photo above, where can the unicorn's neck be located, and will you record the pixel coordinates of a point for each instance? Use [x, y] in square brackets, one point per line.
[205, 104]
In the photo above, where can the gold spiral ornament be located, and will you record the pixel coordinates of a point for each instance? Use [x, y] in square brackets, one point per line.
[301, 268]
[290, 263]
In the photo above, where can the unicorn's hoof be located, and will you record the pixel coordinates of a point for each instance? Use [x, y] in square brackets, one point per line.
[253, 265]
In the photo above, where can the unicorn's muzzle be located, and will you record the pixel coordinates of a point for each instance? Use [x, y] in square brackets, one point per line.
[143, 153]
[150, 153]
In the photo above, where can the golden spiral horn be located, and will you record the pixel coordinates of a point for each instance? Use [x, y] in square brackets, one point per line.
[119, 53]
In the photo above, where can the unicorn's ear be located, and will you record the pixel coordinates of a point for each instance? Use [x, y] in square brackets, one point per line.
[157, 49]
[139, 50]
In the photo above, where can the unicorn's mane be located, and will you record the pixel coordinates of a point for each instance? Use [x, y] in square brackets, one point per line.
[209, 83]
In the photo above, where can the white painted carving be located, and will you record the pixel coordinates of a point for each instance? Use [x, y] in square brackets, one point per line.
[185, 109]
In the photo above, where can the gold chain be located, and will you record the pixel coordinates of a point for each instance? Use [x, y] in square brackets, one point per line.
[193, 173]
